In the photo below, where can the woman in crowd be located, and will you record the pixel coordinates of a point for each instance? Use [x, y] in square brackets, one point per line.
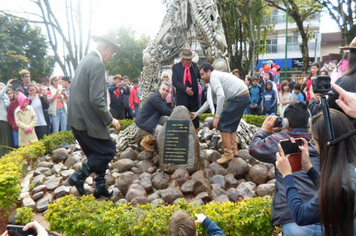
[172, 93]
[314, 71]
[57, 110]
[335, 203]
[25, 118]
[11, 119]
[11, 94]
[39, 104]
[5, 134]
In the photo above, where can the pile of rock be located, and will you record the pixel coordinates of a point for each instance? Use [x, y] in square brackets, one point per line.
[134, 177]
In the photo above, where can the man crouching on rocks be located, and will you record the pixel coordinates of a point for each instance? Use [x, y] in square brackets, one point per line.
[89, 117]
[148, 121]
[232, 97]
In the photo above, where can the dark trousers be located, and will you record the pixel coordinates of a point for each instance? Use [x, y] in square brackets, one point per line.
[118, 113]
[192, 106]
[256, 111]
[98, 151]
[40, 131]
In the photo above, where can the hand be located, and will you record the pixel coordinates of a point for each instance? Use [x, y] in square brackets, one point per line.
[251, 105]
[5, 233]
[311, 92]
[58, 91]
[29, 130]
[269, 123]
[133, 112]
[9, 83]
[346, 101]
[116, 123]
[282, 162]
[305, 156]
[193, 115]
[40, 95]
[200, 218]
[216, 122]
[189, 91]
[63, 92]
[41, 231]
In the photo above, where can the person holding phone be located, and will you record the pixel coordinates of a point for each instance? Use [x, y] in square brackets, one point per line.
[57, 110]
[264, 146]
[32, 228]
[335, 204]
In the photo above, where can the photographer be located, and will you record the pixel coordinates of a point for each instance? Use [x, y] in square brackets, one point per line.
[335, 204]
[264, 146]
[347, 82]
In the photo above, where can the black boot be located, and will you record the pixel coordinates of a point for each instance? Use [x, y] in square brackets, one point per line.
[77, 179]
[101, 189]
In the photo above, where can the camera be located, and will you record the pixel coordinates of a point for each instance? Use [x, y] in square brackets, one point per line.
[321, 84]
[278, 123]
[16, 83]
[123, 85]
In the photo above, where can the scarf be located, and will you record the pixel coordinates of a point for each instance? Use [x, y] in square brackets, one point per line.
[117, 92]
[187, 75]
[209, 98]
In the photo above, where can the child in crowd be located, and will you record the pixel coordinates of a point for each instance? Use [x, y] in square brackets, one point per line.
[26, 119]
[255, 97]
[11, 94]
[248, 84]
[297, 94]
[285, 96]
[11, 119]
[182, 224]
[314, 71]
[134, 98]
[269, 100]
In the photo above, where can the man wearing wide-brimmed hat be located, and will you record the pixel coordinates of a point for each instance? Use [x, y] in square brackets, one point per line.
[89, 117]
[185, 80]
[117, 105]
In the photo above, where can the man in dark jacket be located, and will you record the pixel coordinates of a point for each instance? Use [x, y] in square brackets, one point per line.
[185, 80]
[147, 121]
[264, 147]
[116, 91]
[89, 117]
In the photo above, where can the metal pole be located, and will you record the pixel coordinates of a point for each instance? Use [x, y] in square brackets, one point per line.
[286, 49]
[315, 46]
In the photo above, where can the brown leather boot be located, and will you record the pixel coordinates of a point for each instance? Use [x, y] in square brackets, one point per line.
[228, 153]
[234, 143]
[146, 143]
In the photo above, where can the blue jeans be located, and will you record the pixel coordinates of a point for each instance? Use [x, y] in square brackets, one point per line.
[15, 138]
[292, 229]
[60, 120]
[136, 111]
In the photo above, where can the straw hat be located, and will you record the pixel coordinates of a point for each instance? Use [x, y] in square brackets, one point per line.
[351, 46]
[109, 40]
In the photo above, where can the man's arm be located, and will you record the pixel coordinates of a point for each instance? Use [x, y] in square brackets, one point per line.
[217, 88]
[263, 145]
[160, 105]
[97, 92]
[176, 82]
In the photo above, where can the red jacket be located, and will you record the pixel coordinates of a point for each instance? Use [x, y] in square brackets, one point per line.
[134, 99]
[11, 114]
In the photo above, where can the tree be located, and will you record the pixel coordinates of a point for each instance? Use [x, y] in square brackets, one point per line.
[344, 14]
[68, 37]
[129, 61]
[22, 47]
[300, 11]
[246, 23]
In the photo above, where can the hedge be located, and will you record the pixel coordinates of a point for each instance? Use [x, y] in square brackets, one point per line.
[251, 119]
[87, 216]
[13, 168]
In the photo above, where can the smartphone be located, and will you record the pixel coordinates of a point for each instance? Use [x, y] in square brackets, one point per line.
[17, 230]
[16, 83]
[290, 147]
[60, 87]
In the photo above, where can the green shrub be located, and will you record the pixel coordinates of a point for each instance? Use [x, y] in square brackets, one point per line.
[12, 166]
[203, 116]
[125, 123]
[254, 119]
[10, 179]
[86, 216]
[24, 215]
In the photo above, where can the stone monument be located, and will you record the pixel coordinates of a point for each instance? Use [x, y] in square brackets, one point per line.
[178, 144]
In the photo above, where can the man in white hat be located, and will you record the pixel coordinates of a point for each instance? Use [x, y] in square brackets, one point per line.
[185, 80]
[89, 117]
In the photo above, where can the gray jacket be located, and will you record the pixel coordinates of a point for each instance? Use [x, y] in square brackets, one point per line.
[87, 106]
